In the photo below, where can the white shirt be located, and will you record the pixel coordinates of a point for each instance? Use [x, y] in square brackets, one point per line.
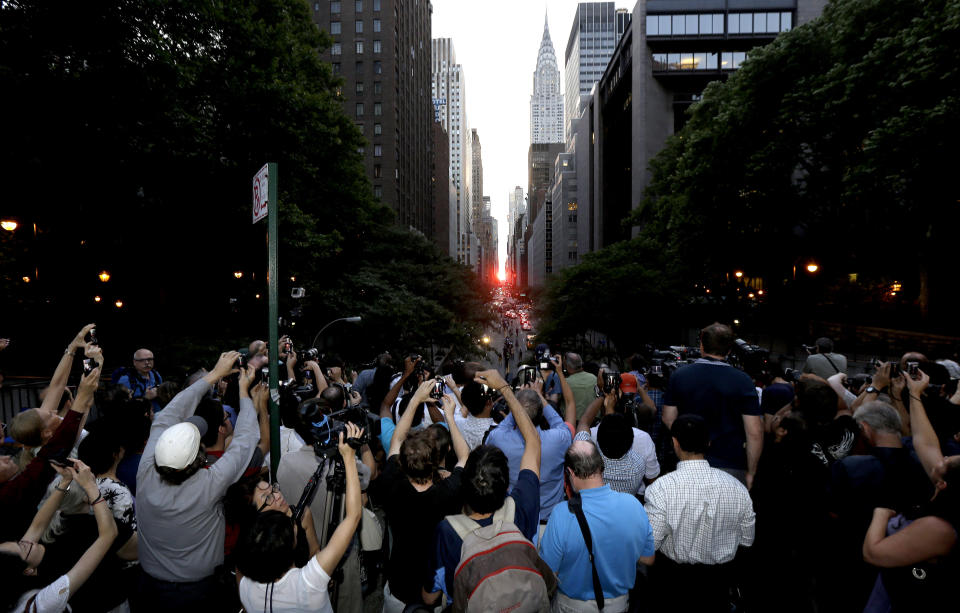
[51, 599]
[699, 514]
[642, 446]
[301, 589]
[472, 428]
[290, 441]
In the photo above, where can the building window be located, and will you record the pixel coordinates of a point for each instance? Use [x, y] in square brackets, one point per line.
[361, 150]
[377, 108]
[359, 87]
[376, 46]
[316, 7]
[376, 25]
[335, 8]
[377, 69]
[358, 5]
[335, 27]
[377, 129]
[360, 126]
[377, 191]
[358, 68]
[377, 85]
[359, 109]
[377, 171]
[378, 151]
[335, 49]
[358, 26]
[376, 5]
[336, 67]
[359, 47]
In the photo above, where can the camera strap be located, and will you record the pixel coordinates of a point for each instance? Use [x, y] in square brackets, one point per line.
[575, 504]
[827, 356]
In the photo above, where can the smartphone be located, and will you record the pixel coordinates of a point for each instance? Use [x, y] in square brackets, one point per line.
[265, 374]
[913, 369]
[241, 362]
[91, 337]
[89, 364]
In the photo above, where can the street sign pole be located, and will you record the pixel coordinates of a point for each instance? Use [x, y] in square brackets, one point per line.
[265, 204]
[273, 215]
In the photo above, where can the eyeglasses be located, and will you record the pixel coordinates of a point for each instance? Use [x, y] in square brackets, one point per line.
[271, 496]
[26, 548]
[142, 359]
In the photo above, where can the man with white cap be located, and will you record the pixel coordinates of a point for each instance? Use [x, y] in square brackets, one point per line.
[179, 510]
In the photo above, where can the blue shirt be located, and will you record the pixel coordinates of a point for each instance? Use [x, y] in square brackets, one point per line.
[553, 445]
[621, 535]
[386, 432]
[138, 385]
[447, 543]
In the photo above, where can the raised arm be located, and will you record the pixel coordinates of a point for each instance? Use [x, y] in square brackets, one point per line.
[925, 441]
[391, 397]
[237, 457]
[459, 445]
[400, 434]
[46, 511]
[59, 380]
[330, 555]
[531, 440]
[106, 529]
[591, 414]
[88, 387]
[261, 394]
[566, 392]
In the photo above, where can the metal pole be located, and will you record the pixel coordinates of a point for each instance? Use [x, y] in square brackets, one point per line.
[273, 214]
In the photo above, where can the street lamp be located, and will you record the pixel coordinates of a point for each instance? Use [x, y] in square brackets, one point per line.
[812, 267]
[738, 274]
[104, 276]
[238, 274]
[118, 304]
[486, 339]
[97, 298]
[9, 225]
[352, 320]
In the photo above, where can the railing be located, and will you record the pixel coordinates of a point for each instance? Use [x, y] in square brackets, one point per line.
[14, 397]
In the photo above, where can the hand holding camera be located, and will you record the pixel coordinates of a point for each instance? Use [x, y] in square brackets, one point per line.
[349, 444]
[245, 381]
[491, 378]
[83, 337]
[918, 385]
[228, 364]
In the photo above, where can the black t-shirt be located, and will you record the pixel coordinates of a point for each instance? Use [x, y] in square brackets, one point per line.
[722, 395]
[413, 516]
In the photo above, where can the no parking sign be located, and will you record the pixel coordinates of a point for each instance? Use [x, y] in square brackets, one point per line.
[261, 189]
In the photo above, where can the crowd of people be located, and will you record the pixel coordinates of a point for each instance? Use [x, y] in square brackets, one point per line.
[404, 486]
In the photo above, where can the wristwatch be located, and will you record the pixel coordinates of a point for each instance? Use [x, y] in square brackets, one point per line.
[871, 390]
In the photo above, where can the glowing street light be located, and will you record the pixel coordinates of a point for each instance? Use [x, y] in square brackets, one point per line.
[104, 276]
[9, 225]
[738, 274]
[760, 292]
[118, 304]
[238, 274]
[97, 299]
[812, 267]
[26, 279]
[486, 339]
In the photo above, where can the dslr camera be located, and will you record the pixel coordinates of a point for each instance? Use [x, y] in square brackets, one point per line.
[611, 381]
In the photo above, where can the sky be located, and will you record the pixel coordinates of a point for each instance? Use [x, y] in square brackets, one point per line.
[496, 42]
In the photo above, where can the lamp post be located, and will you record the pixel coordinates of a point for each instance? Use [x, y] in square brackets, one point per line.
[9, 225]
[353, 320]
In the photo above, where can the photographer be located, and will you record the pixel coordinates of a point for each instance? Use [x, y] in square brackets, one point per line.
[415, 499]
[309, 374]
[267, 553]
[822, 361]
[297, 468]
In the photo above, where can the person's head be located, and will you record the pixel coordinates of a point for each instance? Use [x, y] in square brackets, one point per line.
[143, 361]
[691, 438]
[265, 551]
[476, 400]
[583, 465]
[824, 345]
[248, 497]
[573, 363]
[637, 362]
[485, 479]
[533, 405]
[816, 400]
[418, 459]
[33, 427]
[442, 443]
[716, 339]
[333, 367]
[911, 356]
[946, 473]
[101, 449]
[615, 435]
[8, 468]
[878, 421]
[334, 398]
[179, 454]
[166, 391]
[217, 420]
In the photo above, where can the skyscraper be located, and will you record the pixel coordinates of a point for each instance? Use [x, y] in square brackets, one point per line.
[593, 38]
[387, 93]
[449, 101]
[546, 102]
[476, 186]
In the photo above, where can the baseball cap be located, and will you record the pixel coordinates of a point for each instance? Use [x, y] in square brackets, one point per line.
[628, 383]
[178, 445]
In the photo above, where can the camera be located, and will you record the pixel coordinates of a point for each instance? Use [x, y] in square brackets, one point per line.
[89, 364]
[326, 429]
[543, 359]
[298, 292]
[241, 362]
[265, 375]
[913, 369]
[611, 381]
[792, 374]
[526, 375]
[419, 367]
[310, 354]
[91, 337]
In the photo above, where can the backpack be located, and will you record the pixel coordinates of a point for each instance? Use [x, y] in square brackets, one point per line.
[499, 568]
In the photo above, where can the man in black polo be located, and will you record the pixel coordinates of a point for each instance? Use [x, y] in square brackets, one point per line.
[726, 398]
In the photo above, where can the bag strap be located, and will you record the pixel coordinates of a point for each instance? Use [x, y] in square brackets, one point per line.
[827, 356]
[575, 504]
[463, 525]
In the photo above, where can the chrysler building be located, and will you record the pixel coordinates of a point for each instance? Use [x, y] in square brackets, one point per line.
[546, 103]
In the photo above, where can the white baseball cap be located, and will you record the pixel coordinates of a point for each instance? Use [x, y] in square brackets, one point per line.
[177, 447]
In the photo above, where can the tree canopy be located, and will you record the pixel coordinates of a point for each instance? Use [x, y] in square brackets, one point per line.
[132, 133]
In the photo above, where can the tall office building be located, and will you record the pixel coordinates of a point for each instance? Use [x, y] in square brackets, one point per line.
[449, 101]
[593, 38]
[546, 102]
[476, 186]
[380, 50]
[488, 265]
[514, 208]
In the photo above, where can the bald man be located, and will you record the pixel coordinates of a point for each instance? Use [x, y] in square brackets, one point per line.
[142, 380]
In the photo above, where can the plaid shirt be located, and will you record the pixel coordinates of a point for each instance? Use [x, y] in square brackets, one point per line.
[657, 397]
[624, 474]
[699, 514]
